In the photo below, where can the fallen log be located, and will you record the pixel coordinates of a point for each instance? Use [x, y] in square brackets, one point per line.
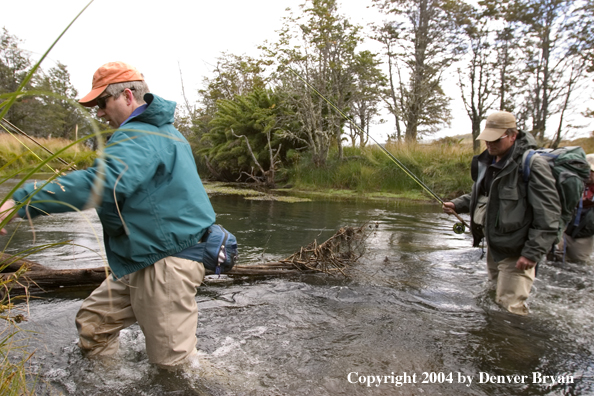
[44, 279]
[9, 263]
[48, 279]
[333, 256]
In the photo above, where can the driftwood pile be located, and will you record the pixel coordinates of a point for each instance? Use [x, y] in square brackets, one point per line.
[334, 256]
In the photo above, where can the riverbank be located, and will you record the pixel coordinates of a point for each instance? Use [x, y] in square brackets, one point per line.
[19, 155]
[443, 167]
[369, 175]
[361, 175]
[366, 174]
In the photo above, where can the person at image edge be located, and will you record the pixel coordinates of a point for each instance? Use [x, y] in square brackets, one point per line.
[152, 205]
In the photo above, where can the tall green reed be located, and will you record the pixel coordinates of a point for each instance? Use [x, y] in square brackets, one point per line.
[15, 378]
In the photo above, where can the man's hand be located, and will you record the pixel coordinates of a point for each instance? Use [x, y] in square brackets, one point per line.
[523, 263]
[5, 211]
[449, 208]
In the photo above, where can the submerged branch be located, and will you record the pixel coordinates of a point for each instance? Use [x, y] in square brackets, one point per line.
[334, 256]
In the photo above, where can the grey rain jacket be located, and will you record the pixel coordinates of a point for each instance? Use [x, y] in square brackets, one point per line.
[522, 219]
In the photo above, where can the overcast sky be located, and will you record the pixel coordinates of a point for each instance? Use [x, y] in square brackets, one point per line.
[160, 37]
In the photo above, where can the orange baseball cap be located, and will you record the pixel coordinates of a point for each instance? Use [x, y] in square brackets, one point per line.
[110, 73]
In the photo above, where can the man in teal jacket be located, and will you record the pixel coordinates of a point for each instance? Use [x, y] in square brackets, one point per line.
[152, 205]
[519, 220]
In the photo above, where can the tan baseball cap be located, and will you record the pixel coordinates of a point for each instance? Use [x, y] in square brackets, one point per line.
[110, 73]
[497, 124]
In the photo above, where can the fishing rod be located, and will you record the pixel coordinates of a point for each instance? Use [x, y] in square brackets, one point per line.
[16, 129]
[459, 227]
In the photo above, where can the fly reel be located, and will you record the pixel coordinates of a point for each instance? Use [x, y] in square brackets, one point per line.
[459, 228]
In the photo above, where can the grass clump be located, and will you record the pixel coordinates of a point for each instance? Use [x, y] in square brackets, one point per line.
[22, 155]
[219, 188]
[586, 143]
[13, 363]
[443, 167]
[14, 356]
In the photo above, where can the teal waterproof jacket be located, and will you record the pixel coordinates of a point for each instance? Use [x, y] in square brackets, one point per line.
[522, 219]
[145, 188]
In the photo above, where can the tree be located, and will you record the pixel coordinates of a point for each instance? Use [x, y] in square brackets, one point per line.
[233, 75]
[508, 45]
[387, 35]
[315, 53]
[477, 83]
[510, 79]
[575, 75]
[246, 138]
[49, 110]
[61, 117]
[549, 58]
[427, 34]
[545, 22]
[584, 33]
[366, 96]
[583, 38]
[14, 65]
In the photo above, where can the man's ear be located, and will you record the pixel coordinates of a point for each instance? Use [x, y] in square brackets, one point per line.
[129, 96]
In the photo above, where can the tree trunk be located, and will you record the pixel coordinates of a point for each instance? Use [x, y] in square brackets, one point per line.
[476, 130]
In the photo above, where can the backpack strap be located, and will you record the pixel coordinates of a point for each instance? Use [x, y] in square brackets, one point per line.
[527, 159]
[579, 211]
[564, 247]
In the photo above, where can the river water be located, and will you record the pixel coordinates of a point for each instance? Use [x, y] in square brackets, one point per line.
[418, 319]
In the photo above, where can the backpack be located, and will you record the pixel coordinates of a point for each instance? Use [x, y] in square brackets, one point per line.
[217, 250]
[582, 227]
[571, 170]
[220, 250]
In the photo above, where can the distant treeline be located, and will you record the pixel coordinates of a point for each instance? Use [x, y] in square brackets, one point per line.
[46, 109]
[313, 95]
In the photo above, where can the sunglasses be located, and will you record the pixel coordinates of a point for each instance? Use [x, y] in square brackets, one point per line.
[102, 100]
[498, 140]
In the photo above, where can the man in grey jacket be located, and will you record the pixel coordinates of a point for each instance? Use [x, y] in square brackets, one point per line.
[519, 220]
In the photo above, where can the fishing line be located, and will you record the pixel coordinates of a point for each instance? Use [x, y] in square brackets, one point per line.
[458, 227]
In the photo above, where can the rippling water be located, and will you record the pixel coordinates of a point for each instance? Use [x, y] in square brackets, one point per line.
[419, 310]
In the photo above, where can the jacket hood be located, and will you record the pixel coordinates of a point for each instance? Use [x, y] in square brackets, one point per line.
[525, 141]
[158, 112]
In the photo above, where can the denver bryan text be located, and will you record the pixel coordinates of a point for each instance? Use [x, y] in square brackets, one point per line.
[536, 378]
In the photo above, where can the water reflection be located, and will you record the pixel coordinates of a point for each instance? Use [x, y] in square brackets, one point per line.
[419, 302]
